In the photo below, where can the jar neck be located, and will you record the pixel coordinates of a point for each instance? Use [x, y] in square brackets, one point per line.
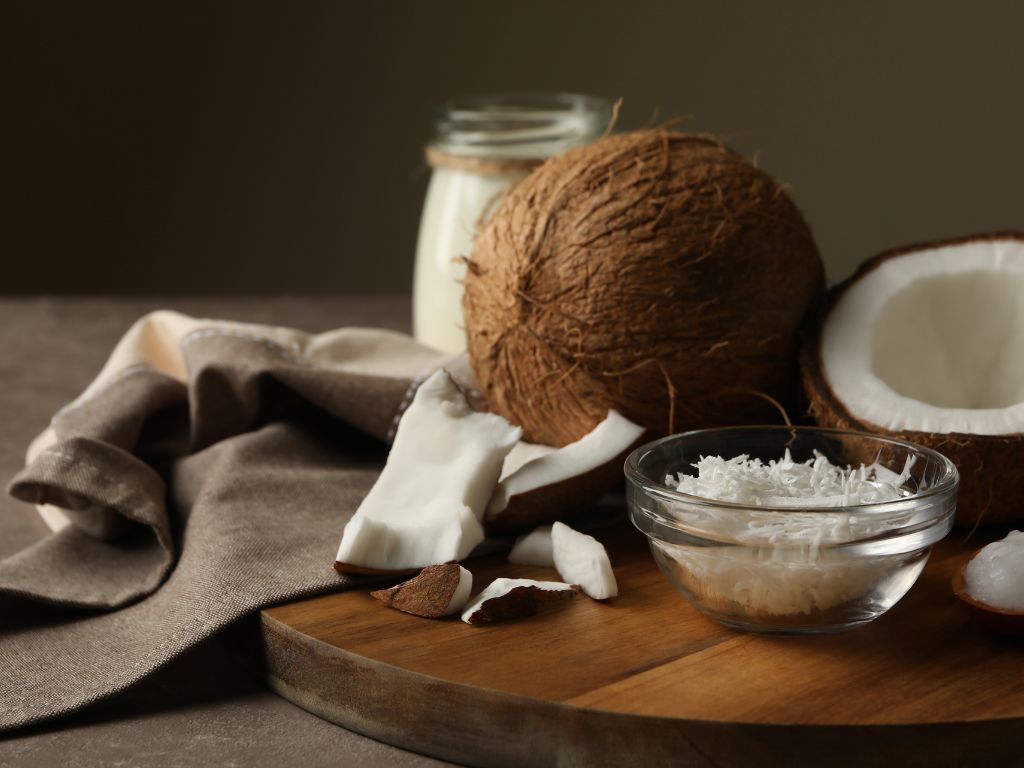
[518, 126]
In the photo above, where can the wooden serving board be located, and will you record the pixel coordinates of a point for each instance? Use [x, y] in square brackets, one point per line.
[645, 679]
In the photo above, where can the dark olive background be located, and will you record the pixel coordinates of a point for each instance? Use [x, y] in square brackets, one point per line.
[276, 147]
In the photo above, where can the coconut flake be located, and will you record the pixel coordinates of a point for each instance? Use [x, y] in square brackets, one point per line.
[995, 576]
[787, 483]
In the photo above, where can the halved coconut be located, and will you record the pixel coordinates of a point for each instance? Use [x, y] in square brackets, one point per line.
[926, 343]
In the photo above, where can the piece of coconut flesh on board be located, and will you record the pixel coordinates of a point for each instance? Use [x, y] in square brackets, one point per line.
[583, 560]
[426, 506]
[558, 483]
[534, 548]
[505, 599]
[438, 590]
[926, 343]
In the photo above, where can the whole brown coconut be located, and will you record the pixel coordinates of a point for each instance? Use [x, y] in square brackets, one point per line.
[657, 273]
[991, 465]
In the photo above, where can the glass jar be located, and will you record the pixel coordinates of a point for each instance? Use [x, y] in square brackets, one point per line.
[482, 146]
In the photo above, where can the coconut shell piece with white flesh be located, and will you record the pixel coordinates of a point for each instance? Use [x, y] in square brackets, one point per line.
[926, 343]
[438, 590]
[426, 507]
[654, 273]
[583, 560]
[505, 599]
[563, 483]
[1006, 621]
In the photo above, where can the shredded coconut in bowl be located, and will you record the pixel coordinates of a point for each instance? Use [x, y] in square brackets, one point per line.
[787, 483]
[786, 563]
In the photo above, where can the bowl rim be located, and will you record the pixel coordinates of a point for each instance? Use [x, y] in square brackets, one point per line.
[949, 482]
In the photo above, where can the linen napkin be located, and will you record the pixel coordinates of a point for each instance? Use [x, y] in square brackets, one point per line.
[207, 472]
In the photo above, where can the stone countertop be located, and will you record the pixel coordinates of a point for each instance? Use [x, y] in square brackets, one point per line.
[204, 709]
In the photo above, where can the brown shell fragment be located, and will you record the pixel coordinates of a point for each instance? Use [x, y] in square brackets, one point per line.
[429, 594]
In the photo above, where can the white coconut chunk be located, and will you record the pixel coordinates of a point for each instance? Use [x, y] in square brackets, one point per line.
[933, 341]
[582, 559]
[995, 576]
[426, 506]
[534, 548]
[599, 446]
[514, 598]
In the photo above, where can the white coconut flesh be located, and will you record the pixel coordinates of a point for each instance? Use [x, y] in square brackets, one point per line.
[531, 466]
[933, 341]
[462, 592]
[427, 504]
[535, 548]
[582, 559]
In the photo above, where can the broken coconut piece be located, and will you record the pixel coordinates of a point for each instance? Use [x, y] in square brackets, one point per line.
[995, 575]
[515, 599]
[426, 506]
[561, 482]
[439, 590]
[582, 559]
[534, 548]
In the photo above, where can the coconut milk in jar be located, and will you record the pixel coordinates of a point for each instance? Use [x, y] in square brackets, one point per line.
[482, 146]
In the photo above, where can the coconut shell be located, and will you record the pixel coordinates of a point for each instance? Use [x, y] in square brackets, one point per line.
[991, 466]
[518, 603]
[655, 272]
[427, 595]
[1002, 620]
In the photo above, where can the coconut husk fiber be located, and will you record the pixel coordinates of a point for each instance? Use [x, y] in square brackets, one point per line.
[991, 466]
[657, 273]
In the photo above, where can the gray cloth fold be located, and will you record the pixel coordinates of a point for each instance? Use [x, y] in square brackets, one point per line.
[194, 498]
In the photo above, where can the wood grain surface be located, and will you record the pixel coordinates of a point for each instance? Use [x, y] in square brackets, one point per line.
[646, 677]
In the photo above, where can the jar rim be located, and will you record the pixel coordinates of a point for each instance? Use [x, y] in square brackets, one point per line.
[519, 124]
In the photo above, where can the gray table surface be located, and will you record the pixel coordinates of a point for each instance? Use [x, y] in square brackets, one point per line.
[205, 708]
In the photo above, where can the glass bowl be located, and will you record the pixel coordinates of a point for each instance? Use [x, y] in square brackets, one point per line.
[793, 568]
